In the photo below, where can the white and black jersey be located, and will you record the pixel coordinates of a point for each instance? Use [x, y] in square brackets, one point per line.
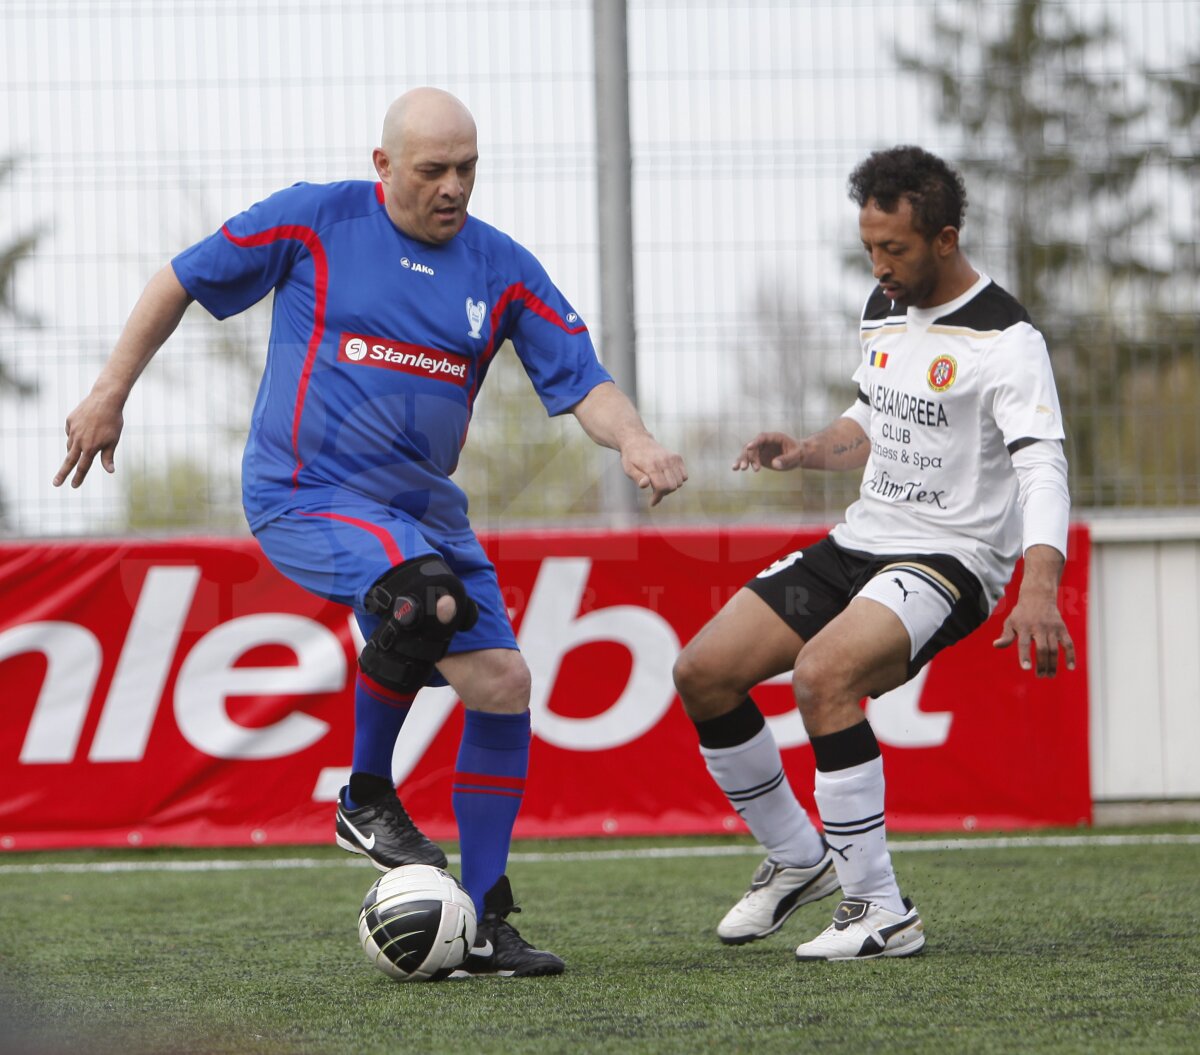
[946, 395]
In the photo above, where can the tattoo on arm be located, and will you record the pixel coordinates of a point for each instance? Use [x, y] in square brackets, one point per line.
[846, 448]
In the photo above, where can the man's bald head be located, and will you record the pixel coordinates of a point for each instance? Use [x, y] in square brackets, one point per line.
[426, 162]
[424, 112]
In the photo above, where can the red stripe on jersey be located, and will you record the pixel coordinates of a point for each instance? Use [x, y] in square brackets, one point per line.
[312, 243]
[540, 307]
[379, 193]
[386, 540]
[515, 292]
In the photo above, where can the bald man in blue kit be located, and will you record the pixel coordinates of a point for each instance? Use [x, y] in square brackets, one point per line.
[390, 302]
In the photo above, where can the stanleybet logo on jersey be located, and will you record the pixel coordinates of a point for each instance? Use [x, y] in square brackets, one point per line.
[406, 358]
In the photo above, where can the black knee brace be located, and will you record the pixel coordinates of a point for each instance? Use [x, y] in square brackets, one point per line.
[408, 642]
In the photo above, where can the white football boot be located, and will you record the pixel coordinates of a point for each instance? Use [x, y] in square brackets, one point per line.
[776, 891]
[861, 930]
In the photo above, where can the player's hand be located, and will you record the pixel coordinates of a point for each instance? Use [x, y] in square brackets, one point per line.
[774, 450]
[93, 427]
[1037, 627]
[650, 465]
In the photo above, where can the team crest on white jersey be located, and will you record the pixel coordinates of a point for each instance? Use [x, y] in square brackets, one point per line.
[942, 372]
[476, 313]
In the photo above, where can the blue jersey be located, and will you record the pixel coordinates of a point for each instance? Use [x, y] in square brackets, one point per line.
[378, 346]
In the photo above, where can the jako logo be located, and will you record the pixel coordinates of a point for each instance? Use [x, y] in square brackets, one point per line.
[412, 265]
[356, 348]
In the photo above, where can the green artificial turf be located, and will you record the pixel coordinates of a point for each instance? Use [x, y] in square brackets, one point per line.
[1040, 948]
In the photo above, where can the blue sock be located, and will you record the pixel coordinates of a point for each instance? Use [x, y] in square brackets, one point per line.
[379, 712]
[489, 783]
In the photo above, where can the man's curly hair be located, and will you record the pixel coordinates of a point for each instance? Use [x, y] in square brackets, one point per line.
[935, 190]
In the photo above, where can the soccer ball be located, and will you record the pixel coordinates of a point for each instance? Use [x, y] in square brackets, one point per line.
[417, 923]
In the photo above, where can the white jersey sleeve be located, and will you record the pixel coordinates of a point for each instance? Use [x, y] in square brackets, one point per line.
[1045, 500]
[860, 410]
[1018, 387]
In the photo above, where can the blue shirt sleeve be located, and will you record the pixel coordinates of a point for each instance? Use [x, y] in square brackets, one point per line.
[550, 339]
[237, 266]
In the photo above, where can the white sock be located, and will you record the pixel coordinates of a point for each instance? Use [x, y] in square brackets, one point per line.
[752, 777]
[850, 802]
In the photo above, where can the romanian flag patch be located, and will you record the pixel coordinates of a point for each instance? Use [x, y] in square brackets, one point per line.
[878, 358]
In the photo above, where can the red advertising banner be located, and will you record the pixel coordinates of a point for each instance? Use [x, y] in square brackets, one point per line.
[184, 693]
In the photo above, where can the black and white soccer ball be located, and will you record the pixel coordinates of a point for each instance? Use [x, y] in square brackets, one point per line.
[417, 923]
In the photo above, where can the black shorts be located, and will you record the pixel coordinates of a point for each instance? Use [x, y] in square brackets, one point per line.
[808, 589]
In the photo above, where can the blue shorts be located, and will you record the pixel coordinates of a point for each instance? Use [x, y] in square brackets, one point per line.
[339, 554]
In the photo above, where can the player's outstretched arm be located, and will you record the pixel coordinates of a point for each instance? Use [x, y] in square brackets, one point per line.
[611, 420]
[1035, 619]
[843, 445]
[94, 427]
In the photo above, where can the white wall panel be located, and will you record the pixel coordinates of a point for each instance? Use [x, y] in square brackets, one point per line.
[1179, 663]
[1144, 657]
[1126, 719]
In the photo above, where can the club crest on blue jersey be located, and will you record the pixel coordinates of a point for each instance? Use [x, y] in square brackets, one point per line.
[476, 313]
